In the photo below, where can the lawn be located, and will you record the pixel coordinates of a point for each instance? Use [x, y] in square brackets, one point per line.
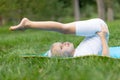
[14, 67]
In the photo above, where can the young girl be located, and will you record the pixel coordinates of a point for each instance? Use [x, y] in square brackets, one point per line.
[95, 31]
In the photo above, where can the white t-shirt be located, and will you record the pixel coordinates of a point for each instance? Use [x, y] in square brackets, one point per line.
[91, 45]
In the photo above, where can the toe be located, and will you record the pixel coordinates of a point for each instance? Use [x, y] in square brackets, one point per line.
[12, 28]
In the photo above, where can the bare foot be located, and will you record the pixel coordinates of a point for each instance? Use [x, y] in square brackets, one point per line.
[21, 26]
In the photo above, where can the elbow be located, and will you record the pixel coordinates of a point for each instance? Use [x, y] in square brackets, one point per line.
[106, 53]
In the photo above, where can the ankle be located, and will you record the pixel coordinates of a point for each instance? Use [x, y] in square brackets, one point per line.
[27, 23]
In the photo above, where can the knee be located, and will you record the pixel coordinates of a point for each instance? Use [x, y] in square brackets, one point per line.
[65, 29]
[68, 28]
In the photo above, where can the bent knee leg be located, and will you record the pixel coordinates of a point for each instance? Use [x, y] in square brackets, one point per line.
[69, 28]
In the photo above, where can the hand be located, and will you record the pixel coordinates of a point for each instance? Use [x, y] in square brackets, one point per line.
[103, 32]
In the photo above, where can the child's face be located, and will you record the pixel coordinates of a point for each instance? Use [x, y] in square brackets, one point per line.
[63, 49]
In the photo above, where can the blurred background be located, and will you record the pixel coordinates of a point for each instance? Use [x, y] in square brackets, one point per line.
[12, 11]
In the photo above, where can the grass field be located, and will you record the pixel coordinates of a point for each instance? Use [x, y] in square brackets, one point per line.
[14, 67]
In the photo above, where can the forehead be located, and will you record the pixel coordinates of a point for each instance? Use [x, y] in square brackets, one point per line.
[56, 46]
[57, 43]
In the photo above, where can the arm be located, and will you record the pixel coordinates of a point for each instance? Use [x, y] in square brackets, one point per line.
[105, 49]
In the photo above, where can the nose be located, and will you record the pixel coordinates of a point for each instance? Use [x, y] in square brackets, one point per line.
[66, 43]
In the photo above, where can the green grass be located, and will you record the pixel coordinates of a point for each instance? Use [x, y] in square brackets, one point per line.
[14, 67]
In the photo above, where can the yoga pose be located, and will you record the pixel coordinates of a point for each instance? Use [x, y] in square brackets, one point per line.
[95, 31]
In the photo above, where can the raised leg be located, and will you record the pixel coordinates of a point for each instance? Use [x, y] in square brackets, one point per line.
[45, 25]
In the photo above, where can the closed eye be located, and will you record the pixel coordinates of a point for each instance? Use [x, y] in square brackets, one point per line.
[60, 47]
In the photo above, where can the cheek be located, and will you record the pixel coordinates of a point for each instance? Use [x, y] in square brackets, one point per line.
[67, 49]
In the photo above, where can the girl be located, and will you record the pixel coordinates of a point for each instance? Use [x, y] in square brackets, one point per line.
[95, 31]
